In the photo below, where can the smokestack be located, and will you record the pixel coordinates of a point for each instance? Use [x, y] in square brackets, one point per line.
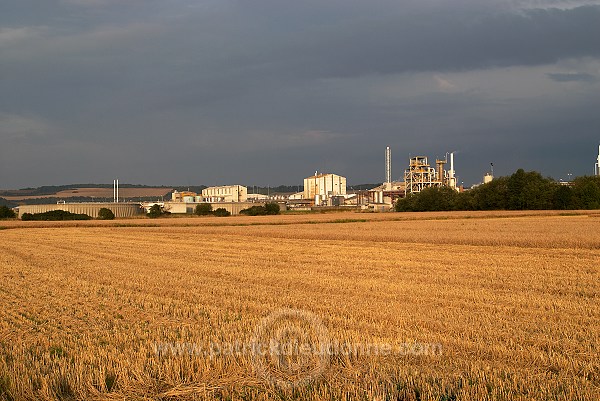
[114, 191]
[388, 165]
[439, 164]
[451, 179]
[117, 190]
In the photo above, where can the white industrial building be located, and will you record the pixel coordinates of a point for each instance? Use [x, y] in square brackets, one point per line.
[257, 197]
[324, 186]
[227, 193]
[597, 167]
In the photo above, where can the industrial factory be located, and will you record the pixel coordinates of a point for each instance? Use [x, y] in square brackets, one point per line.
[233, 198]
[328, 190]
[321, 191]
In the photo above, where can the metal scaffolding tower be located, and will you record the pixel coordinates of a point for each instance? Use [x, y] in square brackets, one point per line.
[420, 175]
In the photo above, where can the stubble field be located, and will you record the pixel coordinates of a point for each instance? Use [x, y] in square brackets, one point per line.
[464, 306]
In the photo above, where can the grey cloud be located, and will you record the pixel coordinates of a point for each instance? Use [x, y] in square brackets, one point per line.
[572, 77]
[279, 89]
[445, 42]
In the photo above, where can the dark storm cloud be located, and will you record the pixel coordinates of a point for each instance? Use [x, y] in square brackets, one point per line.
[572, 77]
[267, 91]
[442, 41]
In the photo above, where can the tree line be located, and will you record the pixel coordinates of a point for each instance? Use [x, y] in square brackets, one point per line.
[520, 191]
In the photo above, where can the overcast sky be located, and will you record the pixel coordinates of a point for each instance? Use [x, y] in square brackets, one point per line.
[265, 92]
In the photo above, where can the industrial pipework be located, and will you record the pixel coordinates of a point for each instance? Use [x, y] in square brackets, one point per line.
[421, 175]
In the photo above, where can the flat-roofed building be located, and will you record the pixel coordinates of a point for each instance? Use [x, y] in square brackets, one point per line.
[177, 196]
[226, 193]
[324, 185]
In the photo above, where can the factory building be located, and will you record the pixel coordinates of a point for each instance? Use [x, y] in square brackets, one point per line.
[183, 196]
[323, 186]
[420, 174]
[91, 209]
[188, 208]
[388, 192]
[227, 193]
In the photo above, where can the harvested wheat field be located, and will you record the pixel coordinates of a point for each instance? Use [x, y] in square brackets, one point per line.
[467, 306]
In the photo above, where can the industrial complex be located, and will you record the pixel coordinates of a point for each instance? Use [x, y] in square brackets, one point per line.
[321, 190]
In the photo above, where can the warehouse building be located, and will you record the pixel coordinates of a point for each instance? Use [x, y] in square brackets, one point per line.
[324, 186]
[188, 208]
[183, 196]
[91, 209]
[227, 193]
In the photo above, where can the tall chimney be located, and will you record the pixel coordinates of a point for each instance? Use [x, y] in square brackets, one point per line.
[388, 165]
[451, 178]
[117, 190]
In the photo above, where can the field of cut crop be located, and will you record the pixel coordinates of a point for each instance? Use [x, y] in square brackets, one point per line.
[444, 306]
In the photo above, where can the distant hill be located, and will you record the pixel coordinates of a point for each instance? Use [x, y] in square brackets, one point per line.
[362, 187]
[280, 189]
[82, 193]
[54, 189]
[6, 202]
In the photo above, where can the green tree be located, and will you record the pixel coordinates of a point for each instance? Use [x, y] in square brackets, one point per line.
[429, 199]
[105, 214]
[203, 209]
[515, 186]
[521, 191]
[530, 191]
[272, 208]
[490, 196]
[254, 211]
[563, 198]
[586, 193]
[155, 211]
[55, 215]
[436, 199]
[7, 213]
[221, 212]
[406, 204]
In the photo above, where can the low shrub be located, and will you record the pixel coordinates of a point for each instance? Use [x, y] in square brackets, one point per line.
[7, 213]
[203, 209]
[105, 214]
[268, 209]
[221, 212]
[156, 211]
[55, 215]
